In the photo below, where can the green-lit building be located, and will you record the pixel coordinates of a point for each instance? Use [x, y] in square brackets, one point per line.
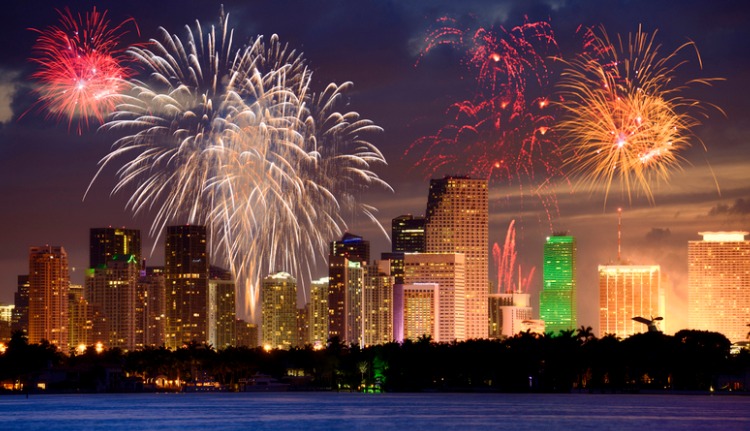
[557, 301]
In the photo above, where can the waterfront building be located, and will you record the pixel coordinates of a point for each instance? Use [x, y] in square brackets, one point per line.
[111, 290]
[377, 304]
[448, 272]
[279, 311]
[346, 268]
[186, 272]
[317, 313]
[221, 308]
[457, 222]
[557, 301]
[416, 311]
[719, 284]
[510, 313]
[627, 291]
[21, 309]
[150, 308]
[49, 280]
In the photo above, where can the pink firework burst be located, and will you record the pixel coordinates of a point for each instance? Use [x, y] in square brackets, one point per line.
[510, 278]
[503, 132]
[81, 67]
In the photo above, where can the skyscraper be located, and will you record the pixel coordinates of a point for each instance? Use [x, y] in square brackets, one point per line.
[80, 318]
[150, 309]
[448, 272]
[186, 275]
[112, 291]
[557, 301]
[416, 311]
[719, 284]
[377, 304]
[317, 313]
[510, 313]
[346, 262]
[221, 309]
[408, 234]
[49, 279]
[627, 291]
[21, 309]
[457, 222]
[107, 242]
[279, 311]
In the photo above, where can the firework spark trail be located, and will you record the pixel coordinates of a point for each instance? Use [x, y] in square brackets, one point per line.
[81, 67]
[625, 118]
[235, 138]
[508, 279]
[502, 133]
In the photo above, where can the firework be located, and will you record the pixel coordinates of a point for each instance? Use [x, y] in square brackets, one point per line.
[625, 118]
[235, 138]
[505, 260]
[81, 67]
[504, 131]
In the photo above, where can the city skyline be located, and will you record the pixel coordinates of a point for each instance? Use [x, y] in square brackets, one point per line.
[45, 168]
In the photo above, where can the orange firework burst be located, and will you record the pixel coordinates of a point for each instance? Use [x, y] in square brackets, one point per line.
[81, 67]
[625, 118]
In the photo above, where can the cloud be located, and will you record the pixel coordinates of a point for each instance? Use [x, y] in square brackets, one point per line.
[658, 235]
[8, 87]
[740, 207]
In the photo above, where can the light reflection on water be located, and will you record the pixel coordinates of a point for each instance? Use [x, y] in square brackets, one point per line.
[411, 412]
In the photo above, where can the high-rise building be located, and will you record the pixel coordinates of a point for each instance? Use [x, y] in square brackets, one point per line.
[627, 291]
[719, 284]
[150, 308]
[49, 280]
[510, 313]
[377, 304]
[352, 247]
[317, 313]
[448, 272]
[457, 222]
[247, 334]
[80, 318]
[221, 309]
[107, 242]
[408, 234]
[112, 291]
[278, 298]
[21, 309]
[6, 319]
[557, 301]
[416, 311]
[186, 275]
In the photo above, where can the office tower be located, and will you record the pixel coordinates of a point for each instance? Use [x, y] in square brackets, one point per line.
[247, 334]
[80, 319]
[557, 301]
[317, 313]
[719, 284]
[107, 242]
[186, 276]
[278, 298]
[448, 271]
[457, 222]
[302, 328]
[377, 304]
[21, 309]
[111, 290]
[221, 309]
[416, 311]
[408, 234]
[49, 280]
[6, 319]
[352, 247]
[510, 313]
[627, 291]
[346, 263]
[150, 308]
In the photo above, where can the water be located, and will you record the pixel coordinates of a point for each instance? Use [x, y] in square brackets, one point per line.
[411, 412]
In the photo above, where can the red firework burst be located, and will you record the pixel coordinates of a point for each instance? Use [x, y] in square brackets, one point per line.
[504, 131]
[81, 66]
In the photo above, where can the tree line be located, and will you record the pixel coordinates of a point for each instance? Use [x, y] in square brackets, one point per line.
[573, 360]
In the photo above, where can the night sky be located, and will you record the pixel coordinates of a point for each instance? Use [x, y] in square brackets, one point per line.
[45, 168]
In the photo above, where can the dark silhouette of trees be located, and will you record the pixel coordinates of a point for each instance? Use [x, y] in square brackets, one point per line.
[572, 360]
